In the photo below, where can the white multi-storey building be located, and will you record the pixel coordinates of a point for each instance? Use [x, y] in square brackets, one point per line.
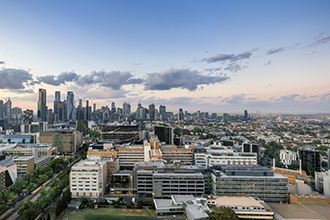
[232, 159]
[88, 178]
[287, 157]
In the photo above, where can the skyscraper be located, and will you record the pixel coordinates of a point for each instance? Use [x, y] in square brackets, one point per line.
[7, 109]
[87, 111]
[162, 112]
[42, 105]
[180, 115]
[138, 110]
[246, 115]
[70, 106]
[57, 99]
[126, 109]
[94, 107]
[152, 111]
[1, 109]
[113, 107]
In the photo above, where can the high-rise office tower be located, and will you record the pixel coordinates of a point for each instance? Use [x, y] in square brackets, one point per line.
[70, 106]
[246, 115]
[162, 112]
[126, 109]
[94, 107]
[7, 109]
[310, 160]
[180, 115]
[198, 115]
[138, 110]
[1, 109]
[57, 99]
[42, 105]
[152, 111]
[113, 107]
[87, 111]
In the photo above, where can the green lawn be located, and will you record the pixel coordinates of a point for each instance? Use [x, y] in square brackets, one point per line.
[104, 213]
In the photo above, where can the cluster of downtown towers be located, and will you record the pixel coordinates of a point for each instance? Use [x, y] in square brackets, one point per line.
[63, 110]
[66, 110]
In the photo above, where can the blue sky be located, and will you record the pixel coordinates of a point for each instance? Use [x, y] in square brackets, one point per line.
[217, 56]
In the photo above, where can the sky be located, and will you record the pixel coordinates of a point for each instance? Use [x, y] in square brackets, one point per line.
[215, 56]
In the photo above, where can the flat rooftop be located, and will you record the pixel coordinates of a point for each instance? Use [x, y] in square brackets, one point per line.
[237, 201]
[295, 211]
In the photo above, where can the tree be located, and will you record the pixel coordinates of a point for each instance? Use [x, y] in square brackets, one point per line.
[129, 205]
[30, 188]
[48, 217]
[59, 207]
[18, 186]
[5, 196]
[43, 200]
[223, 214]
[27, 209]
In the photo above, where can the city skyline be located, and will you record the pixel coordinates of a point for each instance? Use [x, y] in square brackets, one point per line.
[210, 56]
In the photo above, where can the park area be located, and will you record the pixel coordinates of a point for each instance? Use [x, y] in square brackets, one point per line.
[108, 213]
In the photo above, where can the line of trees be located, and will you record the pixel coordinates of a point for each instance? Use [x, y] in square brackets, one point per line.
[30, 210]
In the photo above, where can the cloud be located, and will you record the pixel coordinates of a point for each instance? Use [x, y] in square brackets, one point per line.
[320, 42]
[277, 50]
[22, 91]
[113, 80]
[287, 98]
[230, 57]
[269, 62]
[233, 67]
[179, 78]
[234, 99]
[62, 78]
[2, 62]
[212, 70]
[14, 79]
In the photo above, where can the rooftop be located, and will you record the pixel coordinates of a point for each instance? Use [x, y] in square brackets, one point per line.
[294, 211]
[237, 201]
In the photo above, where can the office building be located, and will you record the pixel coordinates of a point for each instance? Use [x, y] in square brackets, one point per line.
[25, 164]
[57, 99]
[88, 178]
[322, 182]
[8, 172]
[65, 141]
[248, 147]
[7, 109]
[180, 115]
[172, 153]
[120, 133]
[240, 159]
[70, 106]
[258, 182]
[129, 155]
[126, 109]
[246, 115]
[87, 113]
[164, 133]
[310, 160]
[122, 183]
[168, 181]
[1, 110]
[152, 111]
[162, 112]
[42, 109]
